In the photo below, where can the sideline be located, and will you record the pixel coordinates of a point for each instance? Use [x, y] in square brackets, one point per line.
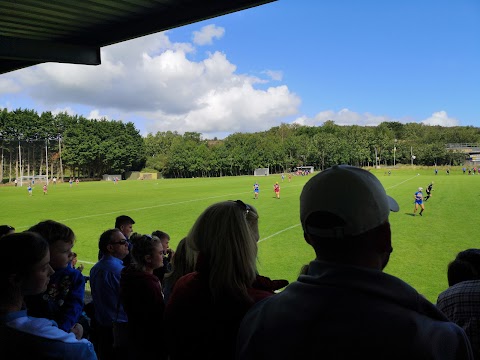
[391, 187]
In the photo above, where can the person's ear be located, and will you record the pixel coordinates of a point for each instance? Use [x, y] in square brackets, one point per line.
[148, 259]
[308, 239]
[384, 239]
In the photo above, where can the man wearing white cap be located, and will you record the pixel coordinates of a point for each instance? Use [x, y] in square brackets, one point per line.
[419, 201]
[345, 306]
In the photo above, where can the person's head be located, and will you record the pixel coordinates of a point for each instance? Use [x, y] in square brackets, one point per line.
[164, 238]
[112, 242]
[344, 214]
[61, 240]
[74, 259]
[147, 253]
[420, 189]
[183, 262]
[125, 224]
[228, 247]
[466, 266]
[6, 230]
[24, 266]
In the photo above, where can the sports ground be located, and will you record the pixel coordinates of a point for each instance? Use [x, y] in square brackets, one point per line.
[423, 246]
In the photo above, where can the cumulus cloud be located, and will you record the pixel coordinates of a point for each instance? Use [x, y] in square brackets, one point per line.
[206, 34]
[95, 114]
[68, 110]
[154, 80]
[274, 75]
[8, 86]
[343, 117]
[441, 118]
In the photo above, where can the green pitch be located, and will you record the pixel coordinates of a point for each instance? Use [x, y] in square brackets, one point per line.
[423, 246]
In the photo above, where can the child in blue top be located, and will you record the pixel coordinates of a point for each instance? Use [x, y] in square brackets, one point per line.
[24, 273]
[63, 299]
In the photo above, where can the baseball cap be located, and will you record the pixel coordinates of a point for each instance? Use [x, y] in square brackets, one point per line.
[354, 195]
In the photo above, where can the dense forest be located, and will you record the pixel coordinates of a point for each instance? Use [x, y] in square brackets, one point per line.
[90, 148]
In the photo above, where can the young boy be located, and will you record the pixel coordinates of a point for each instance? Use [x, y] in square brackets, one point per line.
[63, 299]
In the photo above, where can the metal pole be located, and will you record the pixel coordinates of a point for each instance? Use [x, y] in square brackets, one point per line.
[46, 158]
[394, 149]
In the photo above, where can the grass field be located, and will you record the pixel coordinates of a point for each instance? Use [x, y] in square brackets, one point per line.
[423, 246]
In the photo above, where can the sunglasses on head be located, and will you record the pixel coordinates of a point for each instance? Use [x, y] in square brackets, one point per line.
[244, 206]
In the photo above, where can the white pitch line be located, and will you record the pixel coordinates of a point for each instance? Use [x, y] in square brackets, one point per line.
[151, 207]
[86, 262]
[402, 182]
[278, 232]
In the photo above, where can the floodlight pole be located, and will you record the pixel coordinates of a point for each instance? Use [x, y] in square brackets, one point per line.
[394, 149]
[46, 158]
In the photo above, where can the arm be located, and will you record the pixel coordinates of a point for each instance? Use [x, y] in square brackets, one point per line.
[72, 307]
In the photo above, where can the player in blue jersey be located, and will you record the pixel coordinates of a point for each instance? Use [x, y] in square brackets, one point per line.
[419, 201]
[256, 190]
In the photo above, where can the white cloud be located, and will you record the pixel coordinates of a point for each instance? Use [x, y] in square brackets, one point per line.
[153, 81]
[95, 114]
[343, 117]
[441, 118]
[67, 110]
[274, 75]
[9, 86]
[206, 34]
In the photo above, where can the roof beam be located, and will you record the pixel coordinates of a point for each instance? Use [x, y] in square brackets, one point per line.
[38, 51]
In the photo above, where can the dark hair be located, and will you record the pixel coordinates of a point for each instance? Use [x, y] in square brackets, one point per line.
[105, 239]
[123, 220]
[144, 245]
[5, 229]
[466, 266]
[20, 253]
[54, 231]
[160, 234]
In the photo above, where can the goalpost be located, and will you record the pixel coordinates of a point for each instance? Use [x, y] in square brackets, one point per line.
[35, 178]
[261, 172]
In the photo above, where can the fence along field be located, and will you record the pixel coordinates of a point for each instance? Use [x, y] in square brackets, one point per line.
[423, 246]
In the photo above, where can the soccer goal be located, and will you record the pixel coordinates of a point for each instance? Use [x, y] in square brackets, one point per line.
[261, 172]
[33, 179]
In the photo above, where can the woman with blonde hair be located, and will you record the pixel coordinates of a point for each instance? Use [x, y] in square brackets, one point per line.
[183, 262]
[207, 306]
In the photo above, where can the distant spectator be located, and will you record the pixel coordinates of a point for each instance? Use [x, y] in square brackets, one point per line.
[167, 258]
[461, 301]
[142, 298]
[345, 306]
[26, 273]
[206, 306]
[6, 230]
[74, 262]
[124, 223]
[63, 299]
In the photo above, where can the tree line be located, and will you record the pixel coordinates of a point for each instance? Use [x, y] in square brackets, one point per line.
[91, 148]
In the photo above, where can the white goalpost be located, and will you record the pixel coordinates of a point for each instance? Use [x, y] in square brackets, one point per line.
[261, 172]
[36, 178]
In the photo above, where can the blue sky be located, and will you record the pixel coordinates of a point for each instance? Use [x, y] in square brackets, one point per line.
[304, 61]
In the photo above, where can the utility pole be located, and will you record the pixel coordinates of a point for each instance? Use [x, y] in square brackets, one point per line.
[394, 149]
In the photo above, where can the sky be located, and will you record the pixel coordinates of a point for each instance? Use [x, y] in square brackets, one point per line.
[291, 61]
